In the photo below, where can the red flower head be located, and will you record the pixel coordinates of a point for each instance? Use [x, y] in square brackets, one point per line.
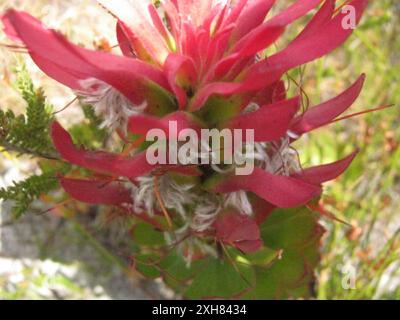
[199, 63]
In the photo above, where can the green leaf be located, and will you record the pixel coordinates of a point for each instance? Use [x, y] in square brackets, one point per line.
[176, 271]
[262, 257]
[147, 265]
[220, 279]
[146, 235]
[296, 233]
[290, 228]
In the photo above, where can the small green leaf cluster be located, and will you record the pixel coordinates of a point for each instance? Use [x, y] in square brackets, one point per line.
[28, 133]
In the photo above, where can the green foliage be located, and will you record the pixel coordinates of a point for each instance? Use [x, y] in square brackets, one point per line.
[176, 272]
[145, 235]
[284, 268]
[295, 234]
[28, 134]
[25, 192]
[146, 265]
[220, 279]
[89, 133]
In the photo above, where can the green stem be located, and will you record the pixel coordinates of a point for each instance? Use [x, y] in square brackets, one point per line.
[7, 146]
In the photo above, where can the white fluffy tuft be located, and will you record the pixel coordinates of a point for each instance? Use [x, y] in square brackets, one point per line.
[110, 104]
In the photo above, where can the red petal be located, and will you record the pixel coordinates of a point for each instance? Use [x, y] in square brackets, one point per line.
[235, 13]
[271, 94]
[251, 16]
[97, 192]
[294, 12]
[62, 75]
[320, 18]
[58, 57]
[270, 70]
[324, 113]
[233, 226]
[47, 66]
[109, 163]
[193, 171]
[269, 122]
[249, 246]
[255, 42]
[239, 231]
[142, 124]
[284, 192]
[249, 46]
[103, 192]
[180, 72]
[320, 174]
[222, 88]
[302, 50]
[143, 34]
[259, 38]
[9, 29]
[217, 46]
[124, 42]
[261, 209]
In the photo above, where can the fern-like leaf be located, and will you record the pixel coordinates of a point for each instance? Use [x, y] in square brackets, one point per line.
[25, 192]
[28, 134]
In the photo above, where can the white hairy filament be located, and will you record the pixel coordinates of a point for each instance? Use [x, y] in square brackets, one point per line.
[109, 104]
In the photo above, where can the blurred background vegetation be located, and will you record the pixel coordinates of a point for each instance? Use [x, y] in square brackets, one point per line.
[367, 197]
